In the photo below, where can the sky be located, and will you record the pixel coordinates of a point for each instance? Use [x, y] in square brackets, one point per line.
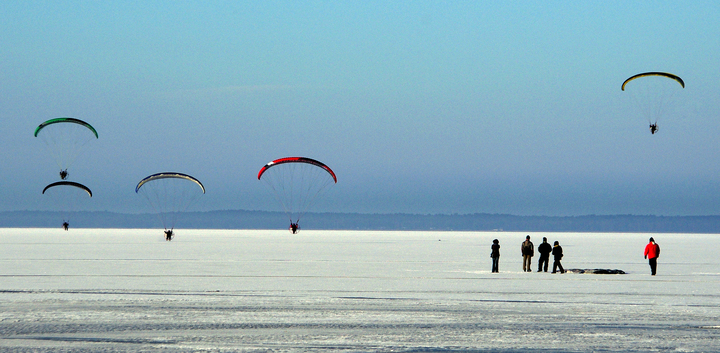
[509, 107]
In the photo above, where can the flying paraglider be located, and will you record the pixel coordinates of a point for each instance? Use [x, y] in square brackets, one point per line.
[653, 94]
[67, 194]
[169, 194]
[65, 139]
[296, 183]
[661, 74]
[69, 183]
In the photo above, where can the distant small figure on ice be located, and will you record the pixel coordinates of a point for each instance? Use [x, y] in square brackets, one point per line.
[495, 255]
[66, 225]
[528, 250]
[294, 227]
[557, 254]
[652, 252]
[168, 234]
[544, 249]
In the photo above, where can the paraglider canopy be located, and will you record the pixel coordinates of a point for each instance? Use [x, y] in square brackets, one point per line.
[297, 160]
[169, 194]
[297, 182]
[168, 175]
[67, 196]
[65, 120]
[68, 183]
[65, 139]
[654, 95]
[645, 74]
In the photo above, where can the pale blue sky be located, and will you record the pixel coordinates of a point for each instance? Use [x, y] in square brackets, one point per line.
[419, 107]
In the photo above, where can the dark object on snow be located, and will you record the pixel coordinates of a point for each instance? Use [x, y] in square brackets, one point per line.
[597, 271]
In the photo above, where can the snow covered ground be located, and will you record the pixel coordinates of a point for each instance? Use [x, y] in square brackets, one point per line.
[253, 290]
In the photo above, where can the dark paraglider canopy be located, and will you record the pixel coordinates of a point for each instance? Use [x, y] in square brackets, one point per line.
[654, 95]
[646, 74]
[67, 196]
[68, 183]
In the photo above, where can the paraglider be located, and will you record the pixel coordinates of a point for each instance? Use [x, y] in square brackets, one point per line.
[67, 194]
[65, 139]
[653, 93]
[69, 183]
[169, 194]
[297, 182]
[660, 74]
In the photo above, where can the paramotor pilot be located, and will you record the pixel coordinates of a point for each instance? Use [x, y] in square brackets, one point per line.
[653, 128]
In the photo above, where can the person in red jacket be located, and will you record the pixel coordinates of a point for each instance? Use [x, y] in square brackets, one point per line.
[652, 252]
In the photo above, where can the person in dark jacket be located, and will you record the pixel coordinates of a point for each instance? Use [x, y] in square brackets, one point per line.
[544, 249]
[294, 227]
[495, 254]
[557, 254]
[652, 252]
[528, 250]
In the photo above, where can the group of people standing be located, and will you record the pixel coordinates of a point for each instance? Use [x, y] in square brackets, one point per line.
[527, 249]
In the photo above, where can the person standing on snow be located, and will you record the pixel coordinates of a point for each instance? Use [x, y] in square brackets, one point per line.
[495, 254]
[544, 249]
[557, 254]
[527, 249]
[652, 252]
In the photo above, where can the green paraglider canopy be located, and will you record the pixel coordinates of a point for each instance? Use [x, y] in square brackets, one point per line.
[66, 120]
[66, 139]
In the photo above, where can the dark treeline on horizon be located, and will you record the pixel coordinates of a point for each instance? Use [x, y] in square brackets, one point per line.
[240, 219]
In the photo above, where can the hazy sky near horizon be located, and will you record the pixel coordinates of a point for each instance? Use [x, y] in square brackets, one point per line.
[419, 107]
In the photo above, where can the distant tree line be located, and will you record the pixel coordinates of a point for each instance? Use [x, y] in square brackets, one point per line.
[241, 219]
